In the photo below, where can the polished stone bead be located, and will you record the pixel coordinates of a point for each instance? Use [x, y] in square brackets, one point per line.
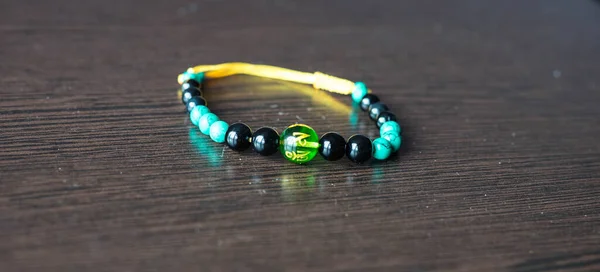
[385, 116]
[299, 143]
[360, 90]
[238, 136]
[206, 121]
[190, 83]
[359, 148]
[217, 131]
[390, 126]
[188, 93]
[375, 109]
[367, 100]
[332, 146]
[195, 101]
[265, 141]
[394, 139]
[381, 149]
[197, 112]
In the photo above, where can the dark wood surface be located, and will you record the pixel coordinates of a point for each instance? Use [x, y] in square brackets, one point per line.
[101, 170]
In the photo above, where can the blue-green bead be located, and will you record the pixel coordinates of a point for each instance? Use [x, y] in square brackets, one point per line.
[390, 126]
[394, 139]
[197, 112]
[218, 130]
[359, 92]
[187, 75]
[206, 121]
[381, 149]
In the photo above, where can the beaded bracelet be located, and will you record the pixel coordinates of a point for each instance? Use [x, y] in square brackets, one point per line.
[298, 143]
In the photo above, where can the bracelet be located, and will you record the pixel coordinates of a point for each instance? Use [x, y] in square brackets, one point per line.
[298, 143]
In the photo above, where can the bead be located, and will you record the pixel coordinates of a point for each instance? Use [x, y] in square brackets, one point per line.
[394, 139]
[385, 116]
[360, 90]
[197, 112]
[238, 136]
[188, 93]
[332, 146]
[195, 101]
[381, 149]
[375, 109]
[299, 143]
[265, 141]
[190, 83]
[217, 131]
[189, 74]
[359, 148]
[390, 126]
[206, 121]
[367, 100]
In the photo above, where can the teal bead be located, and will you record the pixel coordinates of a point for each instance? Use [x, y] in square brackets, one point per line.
[187, 75]
[218, 130]
[381, 149]
[360, 90]
[390, 126]
[394, 139]
[206, 121]
[197, 112]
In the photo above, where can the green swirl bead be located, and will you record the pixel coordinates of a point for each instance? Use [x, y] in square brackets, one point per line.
[217, 131]
[206, 121]
[197, 112]
[390, 126]
[299, 143]
[381, 149]
[394, 139]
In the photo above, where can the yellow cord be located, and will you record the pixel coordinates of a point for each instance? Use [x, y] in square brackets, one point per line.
[318, 80]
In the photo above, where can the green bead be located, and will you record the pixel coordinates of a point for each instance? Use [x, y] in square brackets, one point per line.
[197, 112]
[218, 130]
[359, 92]
[381, 149]
[187, 75]
[390, 126]
[394, 139]
[206, 121]
[299, 143]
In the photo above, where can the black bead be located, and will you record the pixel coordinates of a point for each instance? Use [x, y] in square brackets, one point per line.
[265, 141]
[332, 146]
[188, 93]
[384, 117]
[190, 83]
[195, 101]
[366, 101]
[375, 109]
[359, 148]
[238, 136]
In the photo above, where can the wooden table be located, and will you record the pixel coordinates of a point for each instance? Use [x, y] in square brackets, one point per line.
[101, 169]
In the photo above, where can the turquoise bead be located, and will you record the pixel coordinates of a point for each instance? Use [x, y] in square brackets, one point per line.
[390, 126]
[187, 75]
[359, 92]
[218, 130]
[394, 139]
[206, 121]
[197, 112]
[381, 149]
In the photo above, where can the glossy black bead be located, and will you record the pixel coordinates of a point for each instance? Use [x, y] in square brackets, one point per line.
[384, 117]
[375, 109]
[265, 141]
[190, 83]
[359, 148]
[188, 93]
[367, 101]
[332, 146]
[195, 101]
[238, 136]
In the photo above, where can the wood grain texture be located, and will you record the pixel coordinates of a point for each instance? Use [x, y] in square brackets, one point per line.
[101, 170]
